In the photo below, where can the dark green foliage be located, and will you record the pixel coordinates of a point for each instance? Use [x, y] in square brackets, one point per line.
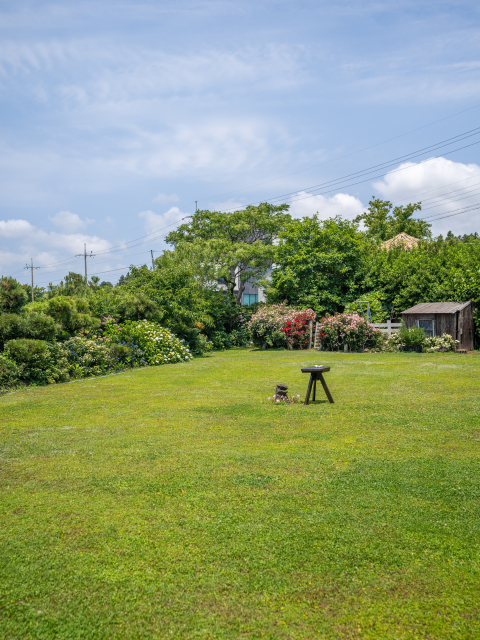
[382, 223]
[24, 350]
[221, 340]
[240, 337]
[11, 326]
[74, 285]
[411, 337]
[40, 327]
[12, 295]
[72, 314]
[437, 271]
[178, 296]
[33, 325]
[318, 265]
[137, 306]
[10, 373]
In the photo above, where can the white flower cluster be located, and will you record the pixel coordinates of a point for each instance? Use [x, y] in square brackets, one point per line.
[444, 342]
[159, 344]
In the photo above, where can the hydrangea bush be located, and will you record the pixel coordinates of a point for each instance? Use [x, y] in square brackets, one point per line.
[349, 329]
[90, 357]
[158, 344]
[444, 342]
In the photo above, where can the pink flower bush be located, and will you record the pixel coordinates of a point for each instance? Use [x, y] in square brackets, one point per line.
[279, 325]
[350, 329]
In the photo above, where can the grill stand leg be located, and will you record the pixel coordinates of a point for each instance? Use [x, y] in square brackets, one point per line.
[325, 388]
[309, 389]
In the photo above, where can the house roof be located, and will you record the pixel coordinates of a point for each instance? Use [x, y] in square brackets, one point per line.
[401, 239]
[437, 307]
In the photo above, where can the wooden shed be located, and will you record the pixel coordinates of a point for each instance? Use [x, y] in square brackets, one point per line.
[436, 318]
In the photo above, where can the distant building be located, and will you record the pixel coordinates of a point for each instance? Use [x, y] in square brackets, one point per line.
[401, 239]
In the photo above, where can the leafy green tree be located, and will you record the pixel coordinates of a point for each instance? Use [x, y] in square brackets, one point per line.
[382, 223]
[438, 271]
[236, 246]
[12, 295]
[179, 294]
[319, 264]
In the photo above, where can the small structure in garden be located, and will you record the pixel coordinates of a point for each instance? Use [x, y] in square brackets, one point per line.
[401, 240]
[316, 374]
[281, 391]
[437, 318]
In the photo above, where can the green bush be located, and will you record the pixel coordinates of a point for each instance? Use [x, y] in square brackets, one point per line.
[10, 373]
[221, 340]
[39, 326]
[36, 326]
[240, 337]
[411, 337]
[12, 295]
[73, 314]
[24, 350]
[42, 362]
[11, 327]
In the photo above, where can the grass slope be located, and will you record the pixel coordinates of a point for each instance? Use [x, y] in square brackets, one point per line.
[175, 502]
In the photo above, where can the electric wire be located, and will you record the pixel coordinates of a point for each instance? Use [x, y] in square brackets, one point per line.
[339, 158]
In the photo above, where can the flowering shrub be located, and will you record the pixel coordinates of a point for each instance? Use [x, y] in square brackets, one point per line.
[159, 345]
[297, 330]
[267, 323]
[277, 399]
[444, 342]
[90, 357]
[278, 325]
[349, 329]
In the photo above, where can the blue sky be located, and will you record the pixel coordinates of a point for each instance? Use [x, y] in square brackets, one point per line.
[116, 117]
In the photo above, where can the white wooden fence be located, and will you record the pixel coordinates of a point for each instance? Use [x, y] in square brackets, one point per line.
[388, 327]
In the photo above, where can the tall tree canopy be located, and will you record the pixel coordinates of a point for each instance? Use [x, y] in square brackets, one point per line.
[236, 246]
[318, 264]
[383, 223]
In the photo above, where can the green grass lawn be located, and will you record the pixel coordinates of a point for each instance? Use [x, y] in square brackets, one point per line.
[176, 502]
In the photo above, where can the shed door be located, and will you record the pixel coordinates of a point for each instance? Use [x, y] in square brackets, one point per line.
[428, 326]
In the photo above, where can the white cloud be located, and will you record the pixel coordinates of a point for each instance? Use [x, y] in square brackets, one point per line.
[157, 222]
[24, 241]
[443, 186]
[69, 222]
[165, 197]
[341, 204]
[15, 228]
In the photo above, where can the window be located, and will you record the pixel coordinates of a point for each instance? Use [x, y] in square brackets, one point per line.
[250, 298]
[428, 326]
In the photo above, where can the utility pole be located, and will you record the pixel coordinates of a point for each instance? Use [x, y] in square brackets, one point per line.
[85, 255]
[153, 262]
[32, 268]
[196, 206]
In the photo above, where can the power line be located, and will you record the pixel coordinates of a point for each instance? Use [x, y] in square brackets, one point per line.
[258, 184]
[337, 181]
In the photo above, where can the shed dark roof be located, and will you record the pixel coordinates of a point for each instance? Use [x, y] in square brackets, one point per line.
[437, 307]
